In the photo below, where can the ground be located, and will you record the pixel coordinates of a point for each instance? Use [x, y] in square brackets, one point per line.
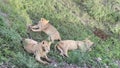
[74, 19]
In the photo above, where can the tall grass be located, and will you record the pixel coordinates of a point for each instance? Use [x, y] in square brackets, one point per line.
[66, 16]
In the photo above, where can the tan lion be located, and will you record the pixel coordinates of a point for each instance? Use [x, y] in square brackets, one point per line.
[40, 50]
[45, 26]
[65, 45]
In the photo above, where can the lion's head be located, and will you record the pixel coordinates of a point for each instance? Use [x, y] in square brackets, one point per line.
[45, 46]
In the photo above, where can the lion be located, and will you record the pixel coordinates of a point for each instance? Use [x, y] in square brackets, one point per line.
[45, 26]
[65, 45]
[39, 49]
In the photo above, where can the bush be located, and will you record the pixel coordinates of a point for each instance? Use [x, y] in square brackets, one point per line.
[66, 16]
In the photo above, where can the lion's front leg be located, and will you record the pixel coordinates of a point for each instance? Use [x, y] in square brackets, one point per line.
[37, 57]
[61, 51]
[35, 28]
[66, 53]
[49, 60]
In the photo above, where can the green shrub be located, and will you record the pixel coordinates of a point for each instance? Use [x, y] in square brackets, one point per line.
[66, 17]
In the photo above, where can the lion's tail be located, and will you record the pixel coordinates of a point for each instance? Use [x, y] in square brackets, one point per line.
[55, 47]
[58, 45]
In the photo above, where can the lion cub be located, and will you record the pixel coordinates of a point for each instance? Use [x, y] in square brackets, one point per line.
[65, 45]
[45, 26]
[38, 49]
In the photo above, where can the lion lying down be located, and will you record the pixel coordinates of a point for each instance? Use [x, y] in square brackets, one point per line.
[65, 45]
[38, 49]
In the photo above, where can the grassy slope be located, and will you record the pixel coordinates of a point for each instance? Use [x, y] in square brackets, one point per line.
[69, 17]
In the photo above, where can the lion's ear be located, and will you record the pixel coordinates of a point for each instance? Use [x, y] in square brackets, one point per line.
[42, 19]
[47, 21]
[43, 42]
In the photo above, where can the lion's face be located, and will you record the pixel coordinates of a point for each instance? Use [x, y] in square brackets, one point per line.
[45, 46]
[42, 23]
[88, 42]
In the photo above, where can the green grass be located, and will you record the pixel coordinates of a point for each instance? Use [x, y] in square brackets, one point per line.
[69, 17]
